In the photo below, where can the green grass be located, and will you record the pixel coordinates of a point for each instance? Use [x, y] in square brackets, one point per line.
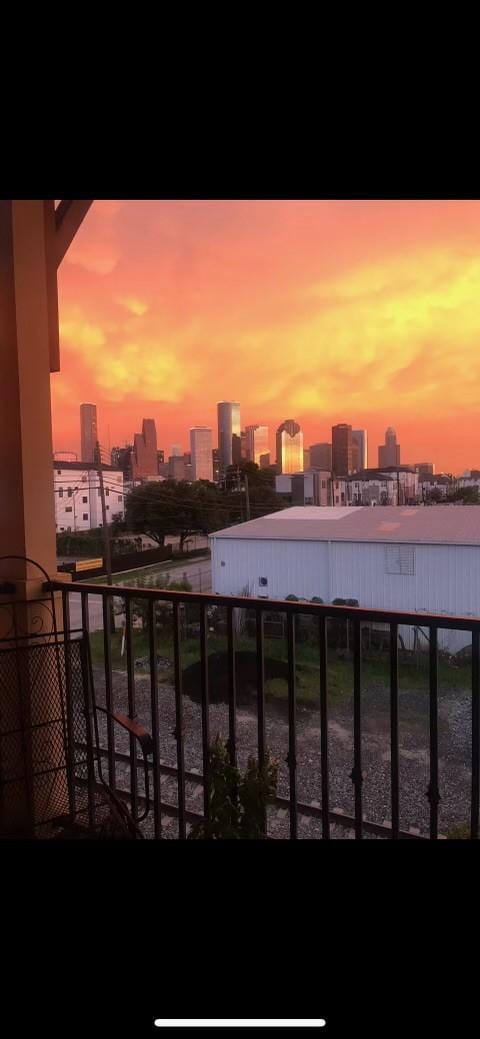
[413, 675]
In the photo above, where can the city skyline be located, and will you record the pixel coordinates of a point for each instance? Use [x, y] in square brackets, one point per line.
[363, 312]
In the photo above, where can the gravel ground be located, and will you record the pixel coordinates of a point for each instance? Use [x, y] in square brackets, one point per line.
[454, 751]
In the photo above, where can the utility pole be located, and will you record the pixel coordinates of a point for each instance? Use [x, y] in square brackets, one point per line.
[247, 497]
[106, 535]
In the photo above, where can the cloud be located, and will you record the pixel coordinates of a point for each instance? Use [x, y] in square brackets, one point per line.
[133, 305]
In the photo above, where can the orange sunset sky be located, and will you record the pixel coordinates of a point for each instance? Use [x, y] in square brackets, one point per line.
[365, 312]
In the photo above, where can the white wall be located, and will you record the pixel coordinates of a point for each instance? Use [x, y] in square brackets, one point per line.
[446, 578]
[73, 511]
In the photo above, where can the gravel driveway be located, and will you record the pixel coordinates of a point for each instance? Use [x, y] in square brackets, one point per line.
[454, 754]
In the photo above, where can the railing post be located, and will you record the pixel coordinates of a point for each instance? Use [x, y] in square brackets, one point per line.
[157, 802]
[178, 731]
[356, 774]
[475, 735]
[322, 637]
[394, 757]
[433, 793]
[292, 742]
[205, 709]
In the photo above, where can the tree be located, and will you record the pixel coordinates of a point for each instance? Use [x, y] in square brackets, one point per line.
[257, 477]
[176, 508]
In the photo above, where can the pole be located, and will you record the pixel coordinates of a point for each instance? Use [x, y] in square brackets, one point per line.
[106, 535]
[247, 497]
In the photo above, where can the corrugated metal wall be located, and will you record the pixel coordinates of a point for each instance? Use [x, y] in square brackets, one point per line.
[446, 577]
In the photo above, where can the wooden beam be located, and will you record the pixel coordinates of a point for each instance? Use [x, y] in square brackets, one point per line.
[69, 214]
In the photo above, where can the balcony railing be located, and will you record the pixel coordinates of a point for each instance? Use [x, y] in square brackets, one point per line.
[321, 618]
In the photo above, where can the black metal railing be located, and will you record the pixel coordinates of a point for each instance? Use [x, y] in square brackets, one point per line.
[258, 608]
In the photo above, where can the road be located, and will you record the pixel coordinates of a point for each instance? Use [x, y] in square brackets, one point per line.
[197, 572]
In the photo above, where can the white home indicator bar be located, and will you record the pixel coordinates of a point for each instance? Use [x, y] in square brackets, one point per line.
[215, 1022]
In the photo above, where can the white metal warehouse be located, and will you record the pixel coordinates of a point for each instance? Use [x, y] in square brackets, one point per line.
[392, 558]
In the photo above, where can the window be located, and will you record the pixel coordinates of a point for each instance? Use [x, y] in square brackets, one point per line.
[263, 581]
[107, 507]
[69, 492]
[400, 559]
[85, 515]
[59, 472]
[62, 528]
[107, 492]
[68, 508]
[84, 500]
[60, 493]
[323, 485]
[119, 497]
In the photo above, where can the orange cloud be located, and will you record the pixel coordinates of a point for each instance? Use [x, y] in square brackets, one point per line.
[323, 311]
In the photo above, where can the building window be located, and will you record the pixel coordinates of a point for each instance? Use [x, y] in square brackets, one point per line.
[85, 515]
[119, 497]
[263, 581]
[84, 500]
[68, 508]
[62, 528]
[59, 472]
[323, 485]
[400, 559]
[60, 493]
[107, 507]
[107, 491]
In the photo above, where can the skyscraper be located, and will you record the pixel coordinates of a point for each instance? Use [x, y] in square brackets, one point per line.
[289, 440]
[342, 449]
[257, 443]
[389, 453]
[359, 450]
[88, 431]
[228, 413]
[321, 456]
[201, 452]
[144, 454]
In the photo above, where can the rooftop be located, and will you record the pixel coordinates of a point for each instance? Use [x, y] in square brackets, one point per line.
[448, 525]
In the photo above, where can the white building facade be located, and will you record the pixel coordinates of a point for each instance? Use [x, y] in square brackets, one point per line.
[78, 505]
[409, 559]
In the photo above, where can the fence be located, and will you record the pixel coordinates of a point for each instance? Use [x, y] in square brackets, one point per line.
[322, 615]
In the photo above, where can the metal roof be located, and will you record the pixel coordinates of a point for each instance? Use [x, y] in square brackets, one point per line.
[439, 524]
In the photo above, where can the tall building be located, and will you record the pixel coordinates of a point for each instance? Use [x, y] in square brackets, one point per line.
[176, 451]
[236, 449]
[88, 431]
[228, 414]
[201, 452]
[257, 444]
[389, 453]
[289, 440]
[176, 467]
[122, 459]
[359, 450]
[342, 449]
[144, 454]
[425, 468]
[321, 456]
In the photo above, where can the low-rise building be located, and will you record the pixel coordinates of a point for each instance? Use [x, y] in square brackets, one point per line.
[78, 504]
[397, 558]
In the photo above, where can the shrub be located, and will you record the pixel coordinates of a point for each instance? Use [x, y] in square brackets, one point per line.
[236, 804]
